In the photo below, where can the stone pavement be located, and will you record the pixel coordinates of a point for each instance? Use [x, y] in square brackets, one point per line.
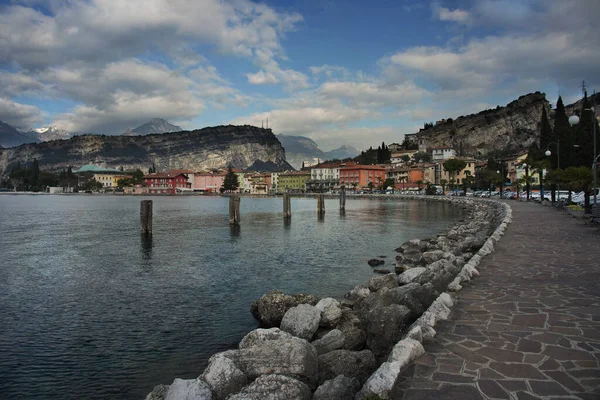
[528, 327]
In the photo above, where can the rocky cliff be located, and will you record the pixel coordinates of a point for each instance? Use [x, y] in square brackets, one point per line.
[511, 128]
[215, 147]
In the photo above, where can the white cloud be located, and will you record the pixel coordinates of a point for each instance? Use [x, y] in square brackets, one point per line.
[445, 14]
[262, 78]
[373, 94]
[19, 115]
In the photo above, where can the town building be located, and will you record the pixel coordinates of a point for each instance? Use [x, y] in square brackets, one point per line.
[442, 153]
[399, 156]
[293, 181]
[360, 176]
[260, 183]
[324, 177]
[468, 171]
[166, 182]
[209, 181]
[108, 177]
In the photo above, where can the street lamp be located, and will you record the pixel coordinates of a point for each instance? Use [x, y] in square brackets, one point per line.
[548, 153]
[526, 179]
[574, 120]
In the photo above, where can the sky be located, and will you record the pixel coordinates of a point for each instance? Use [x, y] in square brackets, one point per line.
[344, 72]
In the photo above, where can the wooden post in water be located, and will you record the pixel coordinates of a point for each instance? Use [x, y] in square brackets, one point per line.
[343, 198]
[287, 206]
[146, 216]
[234, 210]
[321, 204]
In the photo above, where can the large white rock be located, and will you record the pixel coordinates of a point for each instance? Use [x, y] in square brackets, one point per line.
[410, 275]
[301, 321]
[381, 382]
[405, 351]
[274, 387]
[331, 312]
[189, 389]
[260, 336]
[223, 377]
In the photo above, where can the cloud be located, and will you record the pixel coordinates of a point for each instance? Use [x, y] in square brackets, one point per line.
[262, 78]
[19, 115]
[445, 14]
[373, 94]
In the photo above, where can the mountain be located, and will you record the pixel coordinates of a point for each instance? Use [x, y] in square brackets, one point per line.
[342, 153]
[299, 149]
[11, 136]
[156, 125]
[51, 133]
[511, 128]
[208, 148]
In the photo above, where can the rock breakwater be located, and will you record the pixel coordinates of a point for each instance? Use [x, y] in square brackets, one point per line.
[355, 347]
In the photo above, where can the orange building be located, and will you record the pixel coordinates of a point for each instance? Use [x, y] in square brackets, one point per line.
[359, 176]
[211, 181]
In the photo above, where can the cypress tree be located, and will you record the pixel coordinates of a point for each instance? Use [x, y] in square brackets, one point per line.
[563, 132]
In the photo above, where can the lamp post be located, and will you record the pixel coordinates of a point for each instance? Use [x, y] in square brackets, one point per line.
[526, 179]
[548, 153]
[574, 120]
[501, 184]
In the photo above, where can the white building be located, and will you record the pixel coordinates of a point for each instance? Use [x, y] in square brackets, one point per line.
[442, 153]
[324, 177]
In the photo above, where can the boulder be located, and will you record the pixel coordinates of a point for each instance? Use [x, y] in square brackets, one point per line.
[406, 350]
[382, 271]
[353, 364]
[304, 298]
[403, 296]
[410, 275]
[387, 281]
[433, 255]
[158, 392]
[384, 328]
[425, 294]
[331, 312]
[260, 336]
[332, 341]
[189, 389]
[413, 257]
[359, 292]
[274, 387]
[293, 357]
[339, 388]
[223, 377]
[271, 307]
[373, 262]
[352, 328]
[380, 384]
[301, 321]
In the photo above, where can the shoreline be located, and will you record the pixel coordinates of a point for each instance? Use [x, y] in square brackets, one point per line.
[379, 324]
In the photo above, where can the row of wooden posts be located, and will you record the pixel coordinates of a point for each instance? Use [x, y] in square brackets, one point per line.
[234, 209]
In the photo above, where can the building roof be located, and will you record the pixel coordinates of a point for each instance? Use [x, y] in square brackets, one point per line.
[361, 166]
[163, 175]
[98, 170]
[442, 148]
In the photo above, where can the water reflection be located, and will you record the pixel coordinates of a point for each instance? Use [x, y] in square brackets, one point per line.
[287, 223]
[321, 217]
[342, 213]
[234, 230]
[146, 245]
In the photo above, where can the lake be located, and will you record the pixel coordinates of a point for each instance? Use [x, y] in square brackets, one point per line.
[88, 309]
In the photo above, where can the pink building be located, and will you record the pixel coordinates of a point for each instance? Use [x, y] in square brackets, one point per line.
[210, 181]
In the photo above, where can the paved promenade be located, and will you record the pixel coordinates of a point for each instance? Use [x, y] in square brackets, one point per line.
[529, 326]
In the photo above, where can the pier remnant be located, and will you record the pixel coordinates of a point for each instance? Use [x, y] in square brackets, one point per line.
[234, 210]
[343, 198]
[146, 217]
[287, 206]
[321, 204]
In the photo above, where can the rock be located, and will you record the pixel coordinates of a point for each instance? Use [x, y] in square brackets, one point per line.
[415, 333]
[380, 384]
[303, 298]
[384, 328]
[387, 281]
[359, 292]
[373, 262]
[426, 294]
[432, 256]
[403, 296]
[189, 389]
[400, 268]
[339, 388]
[223, 377]
[274, 387]
[260, 336]
[382, 271]
[352, 328]
[331, 312]
[293, 357]
[410, 275]
[332, 341]
[405, 351]
[271, 307]
[158, 392]
[414, 257]
[353, 364]
[301, 321]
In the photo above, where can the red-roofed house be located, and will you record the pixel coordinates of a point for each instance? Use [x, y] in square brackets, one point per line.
[166, 182]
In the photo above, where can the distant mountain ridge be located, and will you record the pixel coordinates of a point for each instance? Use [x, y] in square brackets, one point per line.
[156, 125]
[11, 136]
[299, 149]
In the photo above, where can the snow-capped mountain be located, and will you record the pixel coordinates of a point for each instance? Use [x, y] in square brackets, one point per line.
[12, 137]
[51, 133]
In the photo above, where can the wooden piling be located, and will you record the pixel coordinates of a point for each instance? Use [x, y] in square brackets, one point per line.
[234, 210]
[146, 217]
[321, 204]
[343, 198]
[287, 206]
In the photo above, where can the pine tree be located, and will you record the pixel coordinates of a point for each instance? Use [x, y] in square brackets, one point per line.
[563, 133]
[230, 183]
[583, 135]
[35, 173]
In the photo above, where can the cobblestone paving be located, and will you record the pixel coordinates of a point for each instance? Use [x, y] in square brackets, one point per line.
[528, 327]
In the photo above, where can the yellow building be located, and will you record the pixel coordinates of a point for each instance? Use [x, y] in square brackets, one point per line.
[108, 177]
[293, 181]
[459, 177]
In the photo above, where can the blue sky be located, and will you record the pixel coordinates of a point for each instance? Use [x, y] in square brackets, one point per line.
[341, 72]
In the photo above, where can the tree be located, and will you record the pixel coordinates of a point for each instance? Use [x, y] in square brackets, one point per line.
[580, 179]
[454, 166]
[584, 136]
[389, 182]
[563, 132]
[422, 156]
[443, 182]
[405, 158]
[420, 184]
[370, 186]
[35, 174]
[430, 190]
[230, 183]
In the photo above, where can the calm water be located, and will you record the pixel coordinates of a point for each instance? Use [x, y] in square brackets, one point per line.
[89, 310]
